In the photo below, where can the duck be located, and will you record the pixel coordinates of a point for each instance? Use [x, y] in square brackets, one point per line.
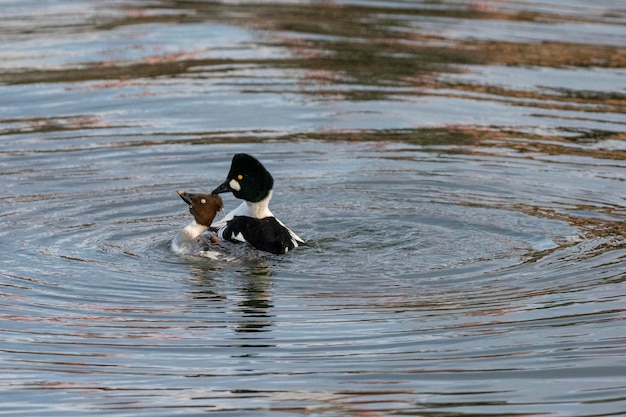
[192, 240]
[252, 221]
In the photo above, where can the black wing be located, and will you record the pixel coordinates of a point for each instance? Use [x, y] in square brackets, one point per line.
[264, 234]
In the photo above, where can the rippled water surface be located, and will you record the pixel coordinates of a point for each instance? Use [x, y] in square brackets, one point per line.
[458, 169]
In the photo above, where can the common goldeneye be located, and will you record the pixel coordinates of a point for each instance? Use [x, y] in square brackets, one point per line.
[252, 221]
[190, 240]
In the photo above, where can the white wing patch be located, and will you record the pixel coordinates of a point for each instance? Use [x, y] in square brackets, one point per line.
[238, 237]
[258, 210]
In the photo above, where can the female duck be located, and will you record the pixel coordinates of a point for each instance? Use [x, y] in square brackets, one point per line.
[192, 240]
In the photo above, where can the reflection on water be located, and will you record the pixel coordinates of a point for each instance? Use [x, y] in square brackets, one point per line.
[254, 298]
[457, 168]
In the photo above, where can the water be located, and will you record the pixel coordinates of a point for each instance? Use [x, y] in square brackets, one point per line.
[457, 168]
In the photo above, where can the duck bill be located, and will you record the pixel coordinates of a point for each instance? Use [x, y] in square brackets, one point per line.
[223, 188]
[185, 196]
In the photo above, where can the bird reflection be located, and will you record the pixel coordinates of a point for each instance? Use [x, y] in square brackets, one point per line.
[247, 287]
[256, 304]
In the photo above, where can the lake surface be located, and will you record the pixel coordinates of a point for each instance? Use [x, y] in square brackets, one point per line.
[458, 169]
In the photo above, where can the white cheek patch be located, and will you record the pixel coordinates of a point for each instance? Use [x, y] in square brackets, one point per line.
[234, 184]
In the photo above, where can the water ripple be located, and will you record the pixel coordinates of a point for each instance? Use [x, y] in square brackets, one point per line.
[461, 192]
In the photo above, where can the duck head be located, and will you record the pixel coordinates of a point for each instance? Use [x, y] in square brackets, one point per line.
[203, 207]
[247, 179]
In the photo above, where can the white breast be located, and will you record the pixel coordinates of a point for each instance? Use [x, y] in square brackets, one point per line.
[259, 210]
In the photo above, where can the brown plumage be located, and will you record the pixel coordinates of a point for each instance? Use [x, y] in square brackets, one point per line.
[203, 207]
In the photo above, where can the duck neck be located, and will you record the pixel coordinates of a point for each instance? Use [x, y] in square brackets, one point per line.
[191, 231]
[260, 209]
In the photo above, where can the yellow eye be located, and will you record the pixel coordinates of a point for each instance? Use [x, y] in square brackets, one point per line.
[203, 201]
[239, 177]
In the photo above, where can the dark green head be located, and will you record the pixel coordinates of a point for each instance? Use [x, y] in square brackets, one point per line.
[247, 179]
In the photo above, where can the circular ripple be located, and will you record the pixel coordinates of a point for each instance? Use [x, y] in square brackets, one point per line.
[419, 273]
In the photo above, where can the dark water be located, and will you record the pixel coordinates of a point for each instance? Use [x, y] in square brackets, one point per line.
[457, 167]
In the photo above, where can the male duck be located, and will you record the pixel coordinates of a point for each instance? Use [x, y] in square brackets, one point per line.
[252, 221]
